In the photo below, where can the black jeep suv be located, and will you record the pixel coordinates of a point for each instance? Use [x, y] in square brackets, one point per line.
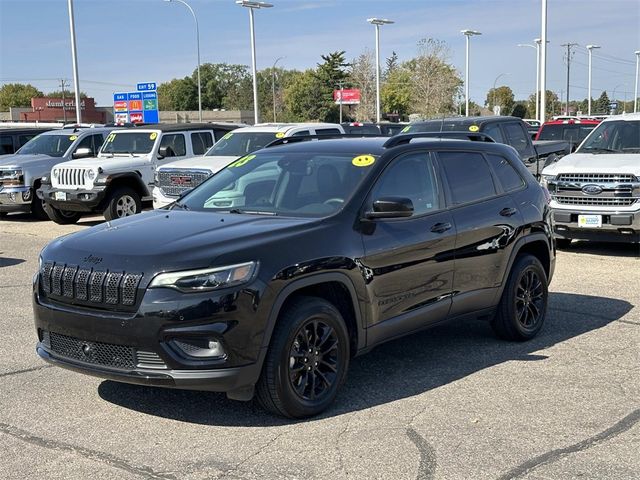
[277, 270]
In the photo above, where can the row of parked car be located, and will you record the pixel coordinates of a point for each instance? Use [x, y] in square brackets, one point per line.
[66, 173]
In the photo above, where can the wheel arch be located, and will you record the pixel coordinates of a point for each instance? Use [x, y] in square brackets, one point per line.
[536, 244]
[131, 180]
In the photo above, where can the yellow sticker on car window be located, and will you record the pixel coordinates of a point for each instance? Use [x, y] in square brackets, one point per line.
[280, 135]
[405, 129]
[474, 128]
[242, 161]
[153, 136]
[363, 160]
[111, 137]
[227, 136]
[73, 137]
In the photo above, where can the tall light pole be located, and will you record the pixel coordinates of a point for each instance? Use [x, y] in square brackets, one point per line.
[273, 86]
[635, 94]
[590, 48]
[543, 63]
[74, 58]
[251, 5]
[613, 97]
[537, 48]
[195, 19]
[377, 22]
[468, 34]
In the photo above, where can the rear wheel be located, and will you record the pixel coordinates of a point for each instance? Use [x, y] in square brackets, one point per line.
[523, 306]
[307, 360]
[61, 217]
[123, 202]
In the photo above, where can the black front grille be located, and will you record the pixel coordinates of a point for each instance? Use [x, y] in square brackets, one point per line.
[95, 353]
[72, 284]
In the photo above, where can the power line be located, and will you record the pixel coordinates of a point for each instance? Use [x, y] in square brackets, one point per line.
[569, 57]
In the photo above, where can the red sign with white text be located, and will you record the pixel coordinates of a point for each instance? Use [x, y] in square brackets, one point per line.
[120, 106]
[350, 96]
[135, 117]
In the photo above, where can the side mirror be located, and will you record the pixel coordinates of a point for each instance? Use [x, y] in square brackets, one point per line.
[82, 153]
[391, 207]
[163, 152]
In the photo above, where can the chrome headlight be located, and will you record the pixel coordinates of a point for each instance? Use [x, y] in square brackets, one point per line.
[14, 176]
[545, 179]
[55, 172]
[90, 174]
[207, 278]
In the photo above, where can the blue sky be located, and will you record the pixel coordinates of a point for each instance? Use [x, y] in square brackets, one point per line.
[121, 42]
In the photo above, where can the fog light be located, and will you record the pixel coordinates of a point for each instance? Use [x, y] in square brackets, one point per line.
[200, 347]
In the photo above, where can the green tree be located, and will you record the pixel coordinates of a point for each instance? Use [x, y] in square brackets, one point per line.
[221, 82]
[553, 104]
[302, 101]
[67, 94]
[178, 94]
[520, 110]
[17, 95]
[362, 75]
[395, 93]
[601, 105]
[502, 97]
[392, 65]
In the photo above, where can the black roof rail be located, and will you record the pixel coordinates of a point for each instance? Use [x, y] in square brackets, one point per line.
[303, 138]
[404, 138]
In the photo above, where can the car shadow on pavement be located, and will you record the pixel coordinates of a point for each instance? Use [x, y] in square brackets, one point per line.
[399, 369]
[609, 249]
[10, 262]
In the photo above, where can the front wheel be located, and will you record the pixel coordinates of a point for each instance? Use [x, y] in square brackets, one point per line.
[523, 306]
[123, 202]
[307, 360]
[61, 217]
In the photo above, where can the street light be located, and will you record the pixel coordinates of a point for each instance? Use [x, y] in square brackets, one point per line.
[537, 47]
[377, 22]
[74, 58]
[635, 94]
[590, 48]
[251, 5]
[468, 34]
[613, 97]
[195, 19]
[273, 85]
[494, 86]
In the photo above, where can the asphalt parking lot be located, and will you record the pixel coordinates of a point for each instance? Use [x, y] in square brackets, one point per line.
[452, 402]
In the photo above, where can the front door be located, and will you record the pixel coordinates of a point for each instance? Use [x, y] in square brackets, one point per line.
[408, 262]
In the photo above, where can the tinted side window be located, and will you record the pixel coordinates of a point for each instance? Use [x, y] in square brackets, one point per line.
[411, 176]
[176, 143]
[201, 141]
[301, 133]
[22, 139]
[328, 131]
[516, 136]
[508, 176]
[219, 133]
[468, 176]
[494, 132]
[6, 144]
[86, 142]
[97, 143]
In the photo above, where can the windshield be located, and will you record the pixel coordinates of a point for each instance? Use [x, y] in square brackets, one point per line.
[571, 133]
[129, 143]
[617, 136]
[52, 145]
[291, 184]
[239, 144]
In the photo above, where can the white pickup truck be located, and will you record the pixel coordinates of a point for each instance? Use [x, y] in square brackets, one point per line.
[596, 190]
[175, 178]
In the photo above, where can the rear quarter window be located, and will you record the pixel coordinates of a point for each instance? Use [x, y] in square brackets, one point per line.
[468, 176]
[508, 176]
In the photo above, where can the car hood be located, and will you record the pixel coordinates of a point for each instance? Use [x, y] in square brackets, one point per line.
[212, 163]
[165, 240]
[111, 162]
[27, 160]
[596, 163]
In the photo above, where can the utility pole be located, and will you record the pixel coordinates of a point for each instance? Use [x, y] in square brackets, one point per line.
[64, 107]
[340, 85]
[569, 54]
[543, 63]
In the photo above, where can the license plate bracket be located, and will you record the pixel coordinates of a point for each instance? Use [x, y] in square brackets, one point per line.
[590, 221]
[62, 196]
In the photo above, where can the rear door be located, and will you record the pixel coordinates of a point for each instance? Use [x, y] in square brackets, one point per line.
[408, 262]
[486, 220]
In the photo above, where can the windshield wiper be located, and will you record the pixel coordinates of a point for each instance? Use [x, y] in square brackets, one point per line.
[601, 150]
[252, 212]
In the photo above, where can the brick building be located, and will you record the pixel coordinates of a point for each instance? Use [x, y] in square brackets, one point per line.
[50, 110]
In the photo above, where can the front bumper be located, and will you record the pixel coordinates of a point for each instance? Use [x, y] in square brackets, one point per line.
[621, 226]
[15, 199]
[160, 199]
[76, 200]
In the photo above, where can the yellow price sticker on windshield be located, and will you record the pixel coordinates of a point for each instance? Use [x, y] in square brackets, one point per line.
[363, 160]
[405, 129]
[227, 136]
[73, 137]
[153, 136]
[280, 135]
[474, 128]
[111, 137]
[242, 161]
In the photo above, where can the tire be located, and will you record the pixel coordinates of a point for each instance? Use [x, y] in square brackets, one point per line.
[285, 386]
[61, 217]
[37, 209]
[4, 214]
[523, 306]
[563, 243]
[123, 202]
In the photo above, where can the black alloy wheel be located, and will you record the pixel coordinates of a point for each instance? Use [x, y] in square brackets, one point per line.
[523, 306]
[307, 359]
[313, 360]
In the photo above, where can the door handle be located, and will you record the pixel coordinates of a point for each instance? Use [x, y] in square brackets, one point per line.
[440, 227]
[507, 212]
